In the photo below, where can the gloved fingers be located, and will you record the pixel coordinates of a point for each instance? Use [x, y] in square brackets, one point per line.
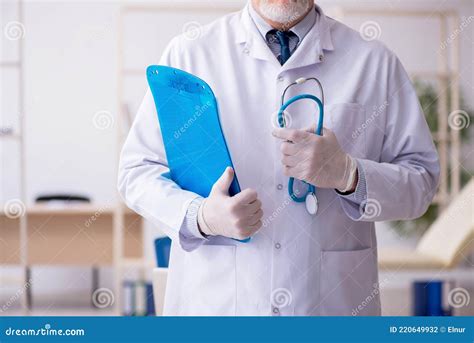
[311, 138]
[311, 128]
[299, 171]
[301, 158]
[248, 231]
[289, 171]
[245, 197]
[327, 131]
[290, 161]
[254, 227]
[255, 221]
[250, 225]
[291, 135]
[288, 148]
[225, 180]
[252, 208]
[255, 217]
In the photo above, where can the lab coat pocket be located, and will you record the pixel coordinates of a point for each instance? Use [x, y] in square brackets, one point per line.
[209, 283]
[348, 121]
[348, 283]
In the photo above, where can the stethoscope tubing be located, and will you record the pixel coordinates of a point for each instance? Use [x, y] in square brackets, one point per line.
[318, 130]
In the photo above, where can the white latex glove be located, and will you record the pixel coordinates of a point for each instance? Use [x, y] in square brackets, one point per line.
[236, 217]
[317, 160]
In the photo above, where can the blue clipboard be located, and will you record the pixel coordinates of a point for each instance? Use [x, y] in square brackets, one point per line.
[194, 143]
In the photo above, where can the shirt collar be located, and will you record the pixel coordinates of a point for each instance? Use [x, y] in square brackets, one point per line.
[323, 25]
[300, 29]
[317, 39]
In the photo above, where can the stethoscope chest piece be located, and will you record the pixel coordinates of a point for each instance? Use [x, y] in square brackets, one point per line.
[311, 203]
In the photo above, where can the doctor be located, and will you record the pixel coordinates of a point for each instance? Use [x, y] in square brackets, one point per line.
[375, 162]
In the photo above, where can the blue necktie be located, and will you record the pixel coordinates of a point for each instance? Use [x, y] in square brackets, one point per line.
[284, 40]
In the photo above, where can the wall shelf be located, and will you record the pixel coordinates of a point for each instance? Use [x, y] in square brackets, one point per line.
[92, 235]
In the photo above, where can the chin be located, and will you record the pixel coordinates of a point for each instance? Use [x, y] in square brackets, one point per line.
[284, 11]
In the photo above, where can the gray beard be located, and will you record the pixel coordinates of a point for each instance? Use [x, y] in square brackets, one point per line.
[286, 13]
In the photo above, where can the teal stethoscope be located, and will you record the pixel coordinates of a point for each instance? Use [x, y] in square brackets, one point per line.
[310, 199]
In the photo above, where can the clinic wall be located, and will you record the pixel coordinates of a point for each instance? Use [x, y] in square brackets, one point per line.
[71, 58]
[70, 51]
[71, 75]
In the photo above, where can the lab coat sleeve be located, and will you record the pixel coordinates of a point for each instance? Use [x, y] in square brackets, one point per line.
[403, 182]
[189, 234]
[352, 202]
[144, 177]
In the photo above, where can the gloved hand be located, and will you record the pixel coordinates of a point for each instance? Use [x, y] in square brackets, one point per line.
[236, 217]
[317, 160]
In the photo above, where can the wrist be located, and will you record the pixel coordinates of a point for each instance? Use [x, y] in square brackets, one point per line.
[350, 178]
[353, 186]
[203, 226]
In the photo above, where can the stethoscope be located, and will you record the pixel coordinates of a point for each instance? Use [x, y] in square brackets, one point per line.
[310, 199]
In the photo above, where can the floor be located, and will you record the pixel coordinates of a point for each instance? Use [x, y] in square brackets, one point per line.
[395, 297]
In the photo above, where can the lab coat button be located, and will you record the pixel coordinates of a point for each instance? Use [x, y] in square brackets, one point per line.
[280, 79]
[277, 246]
[276, 311]
[246, 51]
[320, 58]
[279, 186]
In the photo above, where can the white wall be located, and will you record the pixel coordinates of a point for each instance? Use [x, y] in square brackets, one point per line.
[71, 74]
[71, 61]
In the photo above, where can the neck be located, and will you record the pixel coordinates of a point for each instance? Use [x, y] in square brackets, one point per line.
[282, 26]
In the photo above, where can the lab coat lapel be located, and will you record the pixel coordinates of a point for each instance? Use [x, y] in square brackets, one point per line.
[311, 49]
[252, 42]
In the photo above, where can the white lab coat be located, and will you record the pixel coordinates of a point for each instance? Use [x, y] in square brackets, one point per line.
[297, 264]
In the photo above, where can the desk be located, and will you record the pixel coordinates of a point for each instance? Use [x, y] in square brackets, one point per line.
[75, 235]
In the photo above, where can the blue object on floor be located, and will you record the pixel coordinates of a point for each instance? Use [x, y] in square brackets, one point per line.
[194, 143]
[150, 302]
[162, 251]
[419, 299]
[435, 298]
[428, 298]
